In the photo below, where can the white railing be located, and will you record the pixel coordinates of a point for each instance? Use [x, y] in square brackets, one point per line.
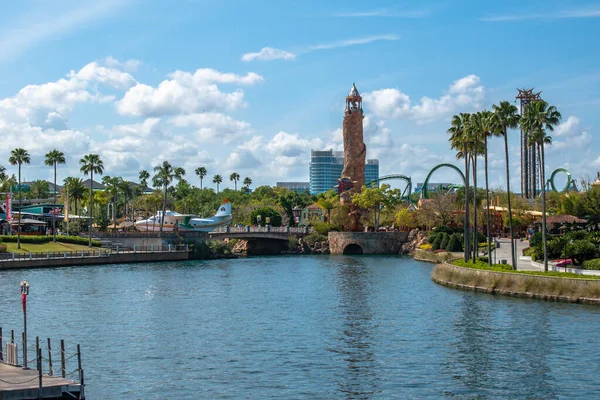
[262, 229]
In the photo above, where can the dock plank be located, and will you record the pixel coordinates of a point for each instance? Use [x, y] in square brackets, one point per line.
[18, 383]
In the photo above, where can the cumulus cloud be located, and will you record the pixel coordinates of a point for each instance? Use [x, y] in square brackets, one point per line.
[130, 65]
[186, 93]
[213, 126]
[393, 103]
[269, 54]
[110, 76]
[567, 128]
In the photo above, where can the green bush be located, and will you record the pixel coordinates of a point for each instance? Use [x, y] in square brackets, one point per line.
[454, 244]
[576, 235]
[592, 264]
[435, 245]
[444, 241]
[444, 229]
[556, 247]
[315, 237]
[76, 240]
[536, 240]
[323, 228]
[483, 259]
[200, 251]
[581, 250]
[45, 239]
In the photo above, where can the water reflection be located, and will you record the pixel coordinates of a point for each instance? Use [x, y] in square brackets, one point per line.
[359, 380]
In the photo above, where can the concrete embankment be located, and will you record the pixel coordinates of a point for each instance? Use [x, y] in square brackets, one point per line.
[571, 290]
[114, 258]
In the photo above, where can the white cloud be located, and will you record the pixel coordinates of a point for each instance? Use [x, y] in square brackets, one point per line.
[269, 54]
[110, 76]
[213, 126]
[591, 12]
[130, 65]
[186, 93]
[464, 93]
[567, 128]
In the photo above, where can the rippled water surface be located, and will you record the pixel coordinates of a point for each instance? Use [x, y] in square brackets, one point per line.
[320, 327]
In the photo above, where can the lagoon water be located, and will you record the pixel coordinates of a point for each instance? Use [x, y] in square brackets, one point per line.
[310, 327]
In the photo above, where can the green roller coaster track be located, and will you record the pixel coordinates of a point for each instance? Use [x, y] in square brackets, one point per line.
[425, 192]
[405, 178]
[570, 181]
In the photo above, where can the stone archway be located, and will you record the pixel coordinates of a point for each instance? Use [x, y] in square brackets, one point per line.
[353, 248]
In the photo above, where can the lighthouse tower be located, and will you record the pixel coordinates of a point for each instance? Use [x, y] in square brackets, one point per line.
[355, 150]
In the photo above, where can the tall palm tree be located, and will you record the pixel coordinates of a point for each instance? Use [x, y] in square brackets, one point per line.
[75, 190]
[247, 182]
[53, 158]
[39, 189]
[3, 175]
[127, 189]
[201, 172]
[478, 136]
[538, 118]
[91, 163]
[459, 141]
[235, 177]
[19, 157]
[165, 174]
[487, 130]
[507, 117]
[217, 179]
[144, 176]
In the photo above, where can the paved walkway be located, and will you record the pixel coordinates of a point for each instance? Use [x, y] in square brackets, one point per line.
[503, 253]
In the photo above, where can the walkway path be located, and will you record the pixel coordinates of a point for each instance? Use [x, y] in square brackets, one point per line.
[503, 253]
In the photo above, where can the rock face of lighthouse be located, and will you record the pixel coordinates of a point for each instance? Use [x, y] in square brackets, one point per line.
[355, 150]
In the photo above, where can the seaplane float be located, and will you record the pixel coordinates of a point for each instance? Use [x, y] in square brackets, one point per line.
[175, 221]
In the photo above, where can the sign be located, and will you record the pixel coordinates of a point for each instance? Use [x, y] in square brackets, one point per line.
[8, 207]
[21, 188]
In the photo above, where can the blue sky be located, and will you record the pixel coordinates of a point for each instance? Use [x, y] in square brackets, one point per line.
[253, 86]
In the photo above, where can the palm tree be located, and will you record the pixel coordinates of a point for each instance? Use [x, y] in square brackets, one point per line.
[3, 175]
[478, 137]
[235, 177]
[539, 117]
[217, 179]
[91, 163]
[201, 172]
[19, 157]
[53, 158]
[165, 174]
[144, 176]
[247, 182]
[487, 129]
[40, 189]
[460, 142]
[75, 190]
[507, 117]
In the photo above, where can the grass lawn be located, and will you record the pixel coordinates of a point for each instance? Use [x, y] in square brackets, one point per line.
[44, 247]
[507, 268]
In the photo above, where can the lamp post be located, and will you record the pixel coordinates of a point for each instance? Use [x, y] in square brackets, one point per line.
[24, 293]
[258, 220]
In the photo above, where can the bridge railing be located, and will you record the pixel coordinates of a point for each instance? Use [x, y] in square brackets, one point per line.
[262, 229]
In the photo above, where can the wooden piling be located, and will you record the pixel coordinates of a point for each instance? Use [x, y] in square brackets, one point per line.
[1, 353]
[50, 372]
[62, 358]
[39, 367]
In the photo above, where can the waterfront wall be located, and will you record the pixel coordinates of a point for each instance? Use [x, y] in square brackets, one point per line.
[366, 242]
[572, 290]
[129, 257]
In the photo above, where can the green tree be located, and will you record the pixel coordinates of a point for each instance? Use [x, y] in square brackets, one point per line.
[247, 183]
[405, 218]
[39, 189]
[53, 158]
[217, 179]
[164, 176]
[264, 213]
[326, 201]
[3, 175]
[507, 117]
[235, 177]
[201, 172]
[74, 190]
[377, 199]
[19, 156]
[90, 164]
[459, 141]
[112, 185]
[538, 118]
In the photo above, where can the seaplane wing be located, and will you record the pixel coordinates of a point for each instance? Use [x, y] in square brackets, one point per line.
[221, 218]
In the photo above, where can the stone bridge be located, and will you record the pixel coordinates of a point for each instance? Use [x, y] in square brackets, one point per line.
[366, 242]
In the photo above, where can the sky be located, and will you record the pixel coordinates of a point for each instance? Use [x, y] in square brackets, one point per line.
[252, 86]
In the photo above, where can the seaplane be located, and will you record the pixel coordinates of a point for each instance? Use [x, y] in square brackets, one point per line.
[175, 221]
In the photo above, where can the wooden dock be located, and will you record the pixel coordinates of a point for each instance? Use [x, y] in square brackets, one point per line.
[43, 379]
[17, 383]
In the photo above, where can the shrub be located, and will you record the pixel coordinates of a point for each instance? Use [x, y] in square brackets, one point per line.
[592, 264]
[536, 240]
[581, 250]
[483, 259]
[200, 251]
[454, 244]
[217, 246]
[436, 242]
[425, 247]
[264, 212]
[444, 241]
[556, 246]
[315, 237]
[576, 235]
[76, 240]
[323, 228]
[444, 229]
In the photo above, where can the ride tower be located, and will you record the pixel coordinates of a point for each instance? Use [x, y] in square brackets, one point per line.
[355, 150]
[529, 162]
